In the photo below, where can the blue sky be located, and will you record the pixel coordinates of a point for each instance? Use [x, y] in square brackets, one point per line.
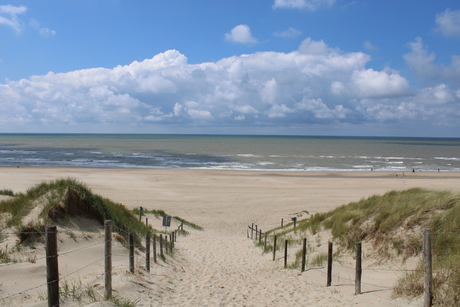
[304, 67]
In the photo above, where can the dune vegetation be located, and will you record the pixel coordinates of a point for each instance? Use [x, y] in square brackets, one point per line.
[60, 200]
[392, 224]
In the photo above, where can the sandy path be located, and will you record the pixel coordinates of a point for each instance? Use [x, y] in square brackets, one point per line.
[225, 269]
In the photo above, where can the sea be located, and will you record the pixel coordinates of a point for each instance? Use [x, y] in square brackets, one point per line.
[231, 152]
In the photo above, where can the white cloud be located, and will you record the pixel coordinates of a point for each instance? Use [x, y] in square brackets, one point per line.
[241, 34]
[369, 46]
[310, 46]
[448, 23]
[44, 32]
[311, 5]
[370, 83]
[289, 33]
[9, 16]
[422, 63]
[315, 84]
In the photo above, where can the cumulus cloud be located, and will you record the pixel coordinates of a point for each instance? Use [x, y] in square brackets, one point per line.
[311, 5]
[289, 33]
[241, 34]
[9, 16]
[448, 23]
[315, 84]
[421, 61]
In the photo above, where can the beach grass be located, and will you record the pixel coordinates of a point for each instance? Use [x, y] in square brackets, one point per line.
[392, 224]
[63, 199]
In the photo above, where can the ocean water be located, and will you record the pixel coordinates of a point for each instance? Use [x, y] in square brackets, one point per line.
[273, 153]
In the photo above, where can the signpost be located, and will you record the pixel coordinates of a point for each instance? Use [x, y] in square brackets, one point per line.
[166, 221]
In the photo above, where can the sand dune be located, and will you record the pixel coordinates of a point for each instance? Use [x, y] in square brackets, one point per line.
[219, 266]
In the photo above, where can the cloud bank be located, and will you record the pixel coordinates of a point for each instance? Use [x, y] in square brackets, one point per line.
[314, 85]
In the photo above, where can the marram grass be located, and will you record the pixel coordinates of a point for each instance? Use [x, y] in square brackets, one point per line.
[393, 224]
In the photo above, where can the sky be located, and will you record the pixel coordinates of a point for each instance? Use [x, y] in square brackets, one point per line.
[277, 67]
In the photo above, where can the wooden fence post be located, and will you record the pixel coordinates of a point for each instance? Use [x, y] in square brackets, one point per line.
[304, 254]
[108, 259]
[281, 222]
[265, 242]
[166, 244]
[329, 264]
[252, 231]
[358, 268]
[131, 252]
[161, 246]
[52, 268]
[274, 248]
[427, 261]
[147, 250]
[260, 236]
[256, 232]
[155, 247]
[285, 252]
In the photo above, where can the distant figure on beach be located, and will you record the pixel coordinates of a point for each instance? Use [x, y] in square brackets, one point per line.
[413, 170]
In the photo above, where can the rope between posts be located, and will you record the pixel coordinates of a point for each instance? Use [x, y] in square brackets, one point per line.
[80, 269]
[23, 291]
[81, 248]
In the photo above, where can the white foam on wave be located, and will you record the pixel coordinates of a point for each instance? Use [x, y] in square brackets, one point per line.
[447, 158]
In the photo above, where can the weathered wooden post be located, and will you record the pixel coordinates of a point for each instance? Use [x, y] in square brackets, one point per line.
[161, 246]
[274, 248]
[131, 252]
[256, 232]
[252, 231]
[265, 241]
[108, 259]
[294, 219]
[427, 261]
[285, 252]
[304, 254]
[147, 250]
[155, 247]
[260, 236]
[52, 268]
[281, 222]
[140, 213]
[329, 264]
[166, 244]
[358, 268]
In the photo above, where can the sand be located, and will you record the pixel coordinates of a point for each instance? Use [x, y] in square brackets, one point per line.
[218, 266]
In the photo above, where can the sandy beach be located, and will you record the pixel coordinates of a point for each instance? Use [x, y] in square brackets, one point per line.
[219, 266]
